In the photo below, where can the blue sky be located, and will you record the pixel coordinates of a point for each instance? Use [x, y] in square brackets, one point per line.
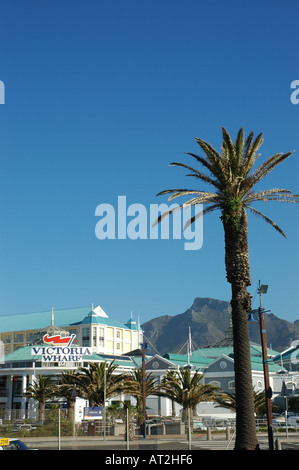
[100, 97]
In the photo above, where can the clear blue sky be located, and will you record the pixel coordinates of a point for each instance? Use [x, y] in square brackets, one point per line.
[100, 96]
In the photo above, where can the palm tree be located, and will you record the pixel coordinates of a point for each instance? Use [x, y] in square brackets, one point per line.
[129, 411]
[133, 387]
[65, 389]
[228, 400]
[98, 381]
[41, 390]
[184, 387]
[233, 177]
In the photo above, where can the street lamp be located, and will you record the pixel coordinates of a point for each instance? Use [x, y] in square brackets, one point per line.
[144, 346]
[284, 394]
[262, 289]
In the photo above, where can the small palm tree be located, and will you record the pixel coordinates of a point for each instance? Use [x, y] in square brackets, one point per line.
[184, 387]
[228, 400]
[98, 381]
[65, 389]
[129, 411]
[133, 387]
[233, 177]
[41, 390]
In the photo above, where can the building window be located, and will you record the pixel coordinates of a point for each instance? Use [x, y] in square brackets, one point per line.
[19, 338]
[85, 336]
[117, 345]
[259, 385]
[231, 385]
[101, 337]
[118, 334]
[217, 384]
[94, 336]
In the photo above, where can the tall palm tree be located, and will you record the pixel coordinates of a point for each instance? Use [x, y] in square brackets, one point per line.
[41, 390]
[232, 175]
[184, 387]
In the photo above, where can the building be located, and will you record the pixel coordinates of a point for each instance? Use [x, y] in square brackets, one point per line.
[91, 325]
[91, 330]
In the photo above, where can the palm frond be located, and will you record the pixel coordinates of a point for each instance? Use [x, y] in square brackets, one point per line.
[206, 198]
[218, 167]
[269, 221]
[264, 169]
[199, 214]
[276, 194]
[250, 156]
[197, 173]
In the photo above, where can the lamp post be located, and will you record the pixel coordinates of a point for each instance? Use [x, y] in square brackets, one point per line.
[104, 404]
[262, 289]
[284, 394]
[143, 347]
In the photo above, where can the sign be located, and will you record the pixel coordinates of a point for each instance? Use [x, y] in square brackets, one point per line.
[4, 441]
[64, 352]
[57, 339]
[95, 412]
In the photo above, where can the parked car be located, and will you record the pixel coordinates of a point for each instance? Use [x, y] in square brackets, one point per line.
[12, 444]
[23, 427]
[199, 426]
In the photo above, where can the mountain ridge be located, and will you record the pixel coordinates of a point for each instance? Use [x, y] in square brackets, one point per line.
[209, 322]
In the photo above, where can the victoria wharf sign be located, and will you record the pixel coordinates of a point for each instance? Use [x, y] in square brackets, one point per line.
[60, 349]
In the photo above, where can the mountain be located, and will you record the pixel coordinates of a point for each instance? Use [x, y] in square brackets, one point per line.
[209, 320]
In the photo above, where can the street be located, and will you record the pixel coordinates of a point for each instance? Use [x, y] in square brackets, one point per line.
[152, 444]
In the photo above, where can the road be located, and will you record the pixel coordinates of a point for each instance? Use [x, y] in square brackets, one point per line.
[150, 444]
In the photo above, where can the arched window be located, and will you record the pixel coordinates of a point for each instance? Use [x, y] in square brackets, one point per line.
[231, 385]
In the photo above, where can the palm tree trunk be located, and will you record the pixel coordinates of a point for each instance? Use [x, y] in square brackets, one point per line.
[238, 275]
[42, 411]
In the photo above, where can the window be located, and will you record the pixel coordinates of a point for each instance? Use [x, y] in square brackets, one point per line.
[117, 345]
[259, 385]
[118, 334]
[231, 385]
[101, 337]
[30, 337]
[19, 338]
[217, 384]
[94, 336]
[85, 336]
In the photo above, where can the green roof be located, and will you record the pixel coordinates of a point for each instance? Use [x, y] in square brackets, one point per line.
[24, 354]
[96, 319]
[255, 351]
[182, 359]
[62, 318]
[258, 365]
[38, 320]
